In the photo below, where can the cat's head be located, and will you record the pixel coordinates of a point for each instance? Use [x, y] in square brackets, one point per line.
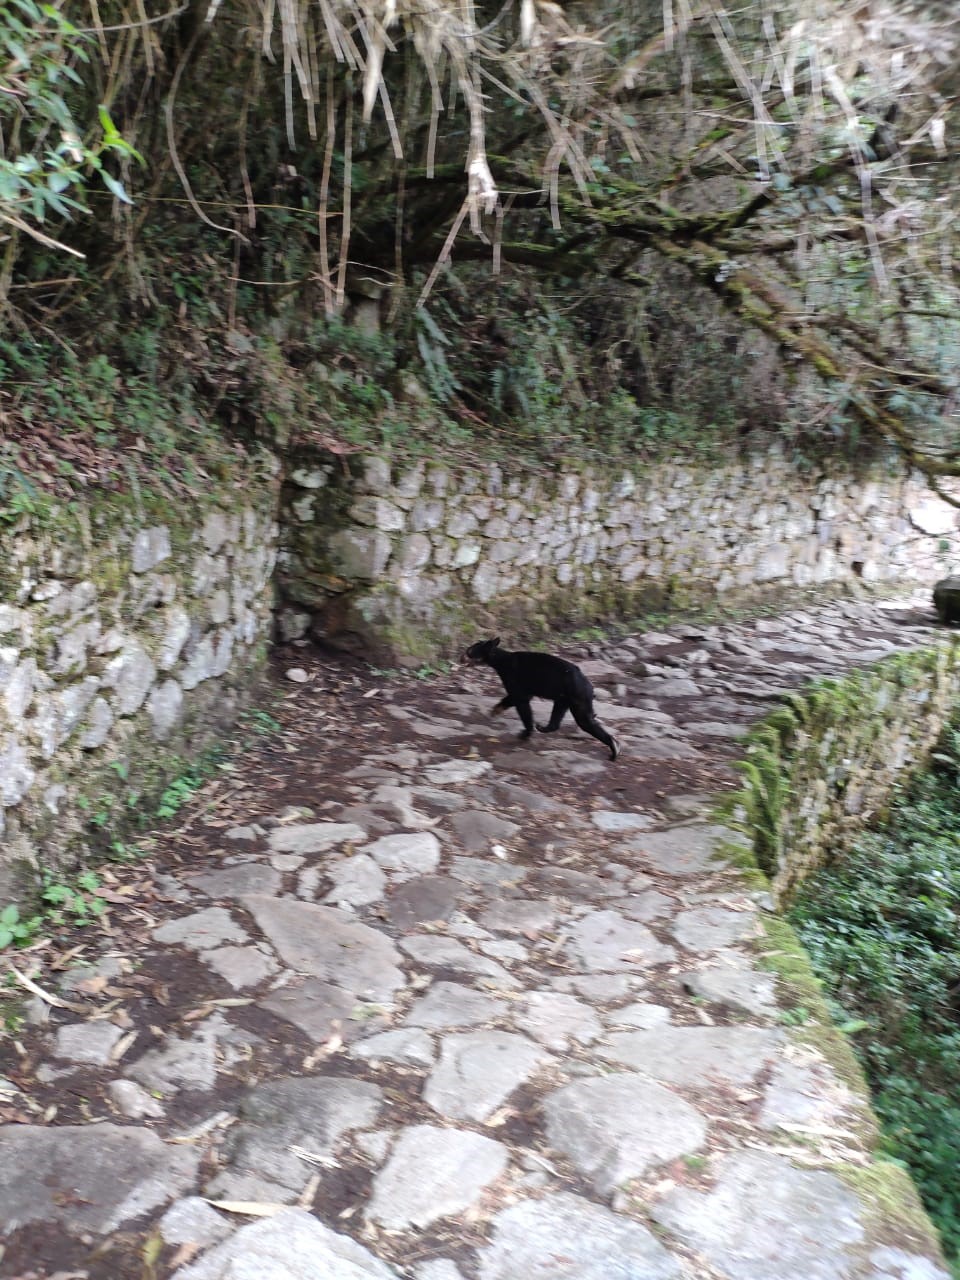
[478, 654]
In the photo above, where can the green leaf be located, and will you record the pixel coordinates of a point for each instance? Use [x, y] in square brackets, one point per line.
[6, 937]
[116, 187]
[110, 131]
[10, 914]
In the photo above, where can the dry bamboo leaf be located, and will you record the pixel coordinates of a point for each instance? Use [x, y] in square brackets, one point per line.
[47, 996]
[306, 1196]
[122, 1045]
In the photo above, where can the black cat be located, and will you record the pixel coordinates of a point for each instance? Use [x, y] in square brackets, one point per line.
[540, 675]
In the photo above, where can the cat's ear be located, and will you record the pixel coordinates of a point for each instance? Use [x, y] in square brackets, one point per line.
[495, 644]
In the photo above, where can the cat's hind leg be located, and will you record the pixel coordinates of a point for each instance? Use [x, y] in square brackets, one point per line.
[560, 708]
[588, 722]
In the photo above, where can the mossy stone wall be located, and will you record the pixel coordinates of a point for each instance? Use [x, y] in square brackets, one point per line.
[129, 630]
[412, 559]
[818, 768]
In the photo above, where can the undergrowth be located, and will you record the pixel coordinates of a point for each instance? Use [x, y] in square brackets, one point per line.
[882, 927]
[117, 829]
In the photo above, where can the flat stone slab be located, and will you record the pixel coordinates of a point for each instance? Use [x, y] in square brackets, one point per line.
[413, 853]
[640, 1015]
[312, 1112]
[707, 928]
[486, 873]
[764, 1218]
[133, 1101]
[313, 837]
[554, 1019]
[234, 882]
[647, 904]
[423, 899]
[898, 1264]
[447, 953]
[432, 1173]
[667, 687]
[658, 748]
[105, 967]
[529, 916]
[328, 944]
[357, 881]
[187, 1062]
[563, 1237]
[506, 794]
[193, 1221]
[292, 1245]
[570, 883]
[408, 1046]
[477, 1072]
[606, 941]
[683, 851]
[240, 966]
[599, 987]
[88, 1177]
[448, 1005]
[438, 1269]
[87, 1042]
[695, 1055]
[202, 930]
[477, 830]
[800, 1095]
[453, 771]
[744, 989]
[619, 1127]
[616, 821]
[319, 1009]
[553, 761]
[717, 729]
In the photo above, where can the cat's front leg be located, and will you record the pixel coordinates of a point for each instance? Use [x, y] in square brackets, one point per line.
[525, 713]
[503, 705]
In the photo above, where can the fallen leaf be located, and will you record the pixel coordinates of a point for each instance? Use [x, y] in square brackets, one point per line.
[47, 996]
[305, 1198]
[91, 986]
[252, 1208]
[122, 1045]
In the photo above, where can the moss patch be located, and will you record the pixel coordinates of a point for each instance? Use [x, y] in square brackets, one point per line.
[897, 1213]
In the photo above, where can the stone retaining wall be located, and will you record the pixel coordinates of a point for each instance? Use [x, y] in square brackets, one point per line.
[410, 562]
[820, 767]
[126, 637]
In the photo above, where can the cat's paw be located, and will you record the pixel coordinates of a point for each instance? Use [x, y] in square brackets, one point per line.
[615, 749]
[526, 733]
[497, 710]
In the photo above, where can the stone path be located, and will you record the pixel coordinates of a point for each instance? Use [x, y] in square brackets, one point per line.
[410, 998]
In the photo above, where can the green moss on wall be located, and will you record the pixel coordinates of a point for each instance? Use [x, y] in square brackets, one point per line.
[816, 768]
